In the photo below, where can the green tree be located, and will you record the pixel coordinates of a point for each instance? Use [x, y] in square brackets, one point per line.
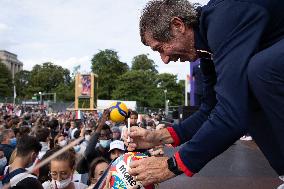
[175, 93]
[6, 83]
[139, 86]
[66, 92]
[142, 62]
[108, 67]
[144, 85]
[181, 86]
[22, 82]
[47, 78]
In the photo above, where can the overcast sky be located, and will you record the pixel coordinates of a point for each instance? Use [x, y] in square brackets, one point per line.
[70, 32]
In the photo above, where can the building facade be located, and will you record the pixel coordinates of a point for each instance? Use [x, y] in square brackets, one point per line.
[11, 61]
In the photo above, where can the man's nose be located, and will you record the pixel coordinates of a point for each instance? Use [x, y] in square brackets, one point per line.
[165, 58]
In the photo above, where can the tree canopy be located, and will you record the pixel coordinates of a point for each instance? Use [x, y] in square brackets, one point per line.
[46, 78]
[137, 85]
[108, 67]
[141, 83]
[168, 82]
[22, 79]
[142, 62]
[6, 82]
[144, 85]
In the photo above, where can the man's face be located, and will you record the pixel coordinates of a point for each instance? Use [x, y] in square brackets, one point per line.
[116, 135]
[11, 135]
[72, 123]
[180, 47]
[105, 134]
[61, 138]
[157, 118]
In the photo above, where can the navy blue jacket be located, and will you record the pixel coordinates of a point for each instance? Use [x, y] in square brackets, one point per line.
[233, 31]
[8, 150]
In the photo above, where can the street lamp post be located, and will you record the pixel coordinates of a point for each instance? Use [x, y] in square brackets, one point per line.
[165, 92]
[167, 107]
[40, 97]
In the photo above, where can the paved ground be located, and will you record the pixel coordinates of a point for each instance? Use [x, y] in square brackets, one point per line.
[242, 166]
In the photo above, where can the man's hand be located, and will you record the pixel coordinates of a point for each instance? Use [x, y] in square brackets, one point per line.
[158, 151]
[103, 120]
[151, 170]
[105, 115]
[139, 138]
[82, 133]
[145, 139]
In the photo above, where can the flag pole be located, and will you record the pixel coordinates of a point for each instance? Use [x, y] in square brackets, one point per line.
[15, 95]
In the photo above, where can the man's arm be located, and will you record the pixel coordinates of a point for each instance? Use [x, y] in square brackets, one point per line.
[90, 152]
[234, 30]
[184, 131]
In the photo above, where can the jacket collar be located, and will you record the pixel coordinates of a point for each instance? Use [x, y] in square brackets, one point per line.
[200, 41]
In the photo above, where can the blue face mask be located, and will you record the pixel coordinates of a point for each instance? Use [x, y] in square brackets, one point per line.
[105, 143]
[13, 142]
[77, 148]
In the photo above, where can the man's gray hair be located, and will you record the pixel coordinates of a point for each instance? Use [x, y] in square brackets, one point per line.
[157, 15]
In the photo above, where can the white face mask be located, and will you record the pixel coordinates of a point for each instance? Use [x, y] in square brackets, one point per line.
[3, 162]
[87, 137]
[61, 184]
[44, 146]
[149, 128]
[62, 143]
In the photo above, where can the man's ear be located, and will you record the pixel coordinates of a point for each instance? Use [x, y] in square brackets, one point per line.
[34, 155]
[177, 25]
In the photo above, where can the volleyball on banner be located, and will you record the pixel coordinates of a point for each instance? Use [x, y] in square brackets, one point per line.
[118, 112]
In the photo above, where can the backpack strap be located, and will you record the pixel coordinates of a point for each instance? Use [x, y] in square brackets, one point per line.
[8, 176]
[19, 177]
[6, 170]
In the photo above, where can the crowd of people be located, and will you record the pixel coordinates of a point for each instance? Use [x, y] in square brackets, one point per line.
[29, 135]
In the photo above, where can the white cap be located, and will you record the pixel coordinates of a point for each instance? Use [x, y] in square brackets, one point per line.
[73, 132]
[117, 144]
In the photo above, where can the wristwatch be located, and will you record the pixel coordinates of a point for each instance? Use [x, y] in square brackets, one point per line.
[173, 167]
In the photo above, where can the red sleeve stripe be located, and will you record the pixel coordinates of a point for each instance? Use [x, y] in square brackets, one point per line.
[174, 136]
[182, 166]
